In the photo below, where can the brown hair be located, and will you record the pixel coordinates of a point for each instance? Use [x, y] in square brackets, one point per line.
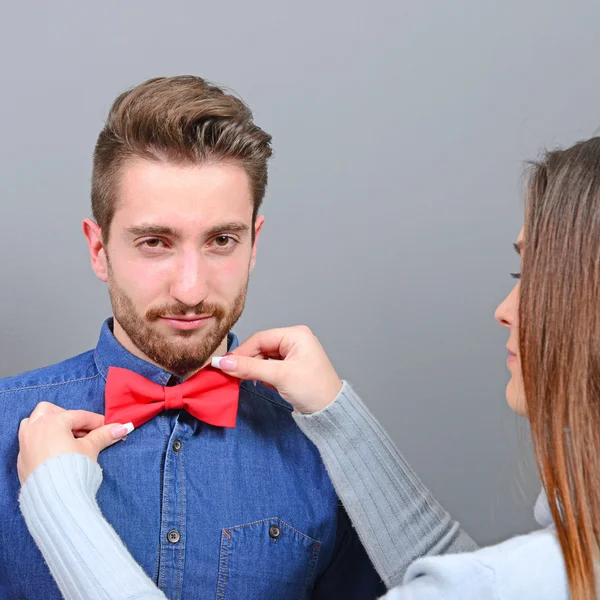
[560, 347]
[181, 119]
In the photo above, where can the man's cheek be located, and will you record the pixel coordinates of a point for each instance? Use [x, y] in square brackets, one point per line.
[147, 288]
[231, 271]
[151, 275]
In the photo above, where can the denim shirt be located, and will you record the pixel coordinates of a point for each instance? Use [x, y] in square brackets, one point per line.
[246, 513]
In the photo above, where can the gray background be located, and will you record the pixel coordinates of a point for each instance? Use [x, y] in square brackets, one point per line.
[399, 128]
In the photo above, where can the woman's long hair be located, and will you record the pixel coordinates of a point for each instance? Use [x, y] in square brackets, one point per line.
[559, 330]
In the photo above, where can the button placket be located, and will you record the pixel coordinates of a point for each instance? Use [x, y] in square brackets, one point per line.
[173, 529]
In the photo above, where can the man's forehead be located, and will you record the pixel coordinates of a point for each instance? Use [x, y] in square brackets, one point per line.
[192, 197]
[216, 186]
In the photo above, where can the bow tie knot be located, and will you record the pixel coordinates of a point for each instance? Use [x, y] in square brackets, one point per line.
[173, 397]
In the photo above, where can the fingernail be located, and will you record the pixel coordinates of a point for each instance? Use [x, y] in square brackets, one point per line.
[121, 430]
[226, 363]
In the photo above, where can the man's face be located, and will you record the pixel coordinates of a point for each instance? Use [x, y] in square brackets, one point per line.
[178, 259]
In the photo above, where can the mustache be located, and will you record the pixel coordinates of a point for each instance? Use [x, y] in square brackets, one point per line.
[181, 310]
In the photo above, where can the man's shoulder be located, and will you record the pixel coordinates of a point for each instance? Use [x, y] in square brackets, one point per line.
[76, 369]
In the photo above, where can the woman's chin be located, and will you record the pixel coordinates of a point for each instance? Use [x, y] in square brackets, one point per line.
[516, 399]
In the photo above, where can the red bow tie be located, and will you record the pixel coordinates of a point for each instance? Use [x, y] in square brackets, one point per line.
[210, 396]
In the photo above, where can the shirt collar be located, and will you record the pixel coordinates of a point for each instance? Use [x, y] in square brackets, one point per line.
[110, 353]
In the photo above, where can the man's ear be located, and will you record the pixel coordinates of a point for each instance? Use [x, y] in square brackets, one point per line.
[258, 225]
[93, 235]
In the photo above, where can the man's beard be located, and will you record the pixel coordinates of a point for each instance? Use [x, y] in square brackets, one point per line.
[187, 351]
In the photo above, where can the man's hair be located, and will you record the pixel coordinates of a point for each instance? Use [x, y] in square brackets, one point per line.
[180, 120]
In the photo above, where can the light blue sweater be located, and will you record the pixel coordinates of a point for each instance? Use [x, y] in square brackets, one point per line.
[381, 494]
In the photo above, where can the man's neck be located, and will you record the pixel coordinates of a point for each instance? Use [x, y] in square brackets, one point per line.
[126, 342]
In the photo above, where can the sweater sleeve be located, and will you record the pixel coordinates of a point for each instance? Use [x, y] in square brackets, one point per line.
[396, 517]
[86, 557]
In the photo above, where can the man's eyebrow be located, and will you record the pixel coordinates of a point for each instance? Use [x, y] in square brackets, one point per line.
[149, 229]
[233, 227]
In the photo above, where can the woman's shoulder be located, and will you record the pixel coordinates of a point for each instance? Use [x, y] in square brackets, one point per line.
[526, 566]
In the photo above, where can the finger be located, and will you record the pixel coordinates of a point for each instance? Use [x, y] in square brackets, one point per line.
[106, 436]
[23, 424]
[266, 371]
[261, 344]
[20, 468]
[271, 343]
[44, 408]
[22, 427]
[83, 420]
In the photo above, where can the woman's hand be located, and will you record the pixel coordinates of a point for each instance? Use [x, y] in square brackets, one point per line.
[301, 371]
[51, 430]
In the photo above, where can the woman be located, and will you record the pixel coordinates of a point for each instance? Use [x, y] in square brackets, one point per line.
[553, 315]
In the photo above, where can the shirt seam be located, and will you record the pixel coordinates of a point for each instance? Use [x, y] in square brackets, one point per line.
[45, 385]
[100, 364]
[165, 501]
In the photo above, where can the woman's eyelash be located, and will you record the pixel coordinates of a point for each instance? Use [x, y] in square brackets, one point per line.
[516, 275]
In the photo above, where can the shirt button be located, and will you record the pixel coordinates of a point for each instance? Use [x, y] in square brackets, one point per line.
[173, 536]
[274, 532]
[177, 445]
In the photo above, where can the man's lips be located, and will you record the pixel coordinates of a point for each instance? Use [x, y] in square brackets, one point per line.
[185, 317]
[187, 322]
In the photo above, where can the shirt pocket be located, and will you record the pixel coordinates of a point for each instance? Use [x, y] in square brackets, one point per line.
[266, 559]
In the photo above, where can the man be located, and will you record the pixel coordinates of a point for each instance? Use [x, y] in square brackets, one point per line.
[208, 510]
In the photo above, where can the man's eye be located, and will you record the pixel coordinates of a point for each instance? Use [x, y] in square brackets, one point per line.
[224, 241]
[152, 244]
